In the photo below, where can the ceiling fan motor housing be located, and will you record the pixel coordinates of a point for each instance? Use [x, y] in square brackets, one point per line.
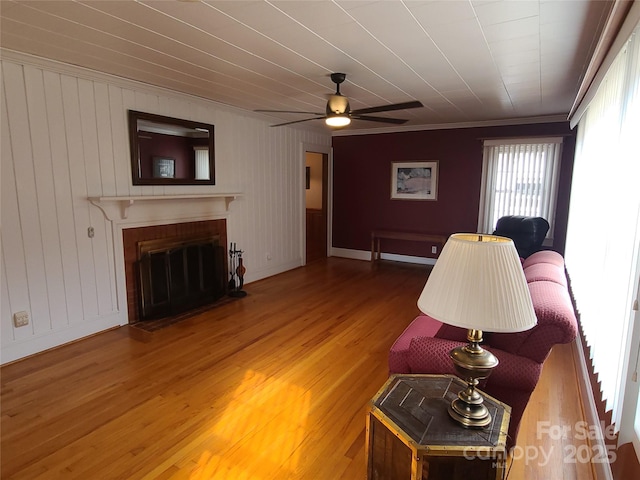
[337, 105]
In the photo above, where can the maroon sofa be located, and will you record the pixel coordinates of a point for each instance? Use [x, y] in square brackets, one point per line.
[425, 344]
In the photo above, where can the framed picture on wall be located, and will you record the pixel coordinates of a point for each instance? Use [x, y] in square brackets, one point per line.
[414, 180]
[164, 167]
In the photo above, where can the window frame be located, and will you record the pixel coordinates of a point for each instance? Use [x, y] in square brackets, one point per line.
[487, 215]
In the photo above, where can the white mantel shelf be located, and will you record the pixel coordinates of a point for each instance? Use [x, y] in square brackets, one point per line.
[118, 208]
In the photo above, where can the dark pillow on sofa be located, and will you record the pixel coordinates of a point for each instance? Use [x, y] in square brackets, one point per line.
[448, 332]
[527, 233]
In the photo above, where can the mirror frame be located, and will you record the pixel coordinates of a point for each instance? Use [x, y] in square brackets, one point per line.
[134, 116]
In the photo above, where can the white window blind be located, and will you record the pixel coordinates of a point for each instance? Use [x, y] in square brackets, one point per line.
[519, 177]
[202, 163]
[603, 232]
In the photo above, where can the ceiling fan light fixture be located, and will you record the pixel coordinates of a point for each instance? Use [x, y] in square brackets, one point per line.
[338, 113]
[338, 120]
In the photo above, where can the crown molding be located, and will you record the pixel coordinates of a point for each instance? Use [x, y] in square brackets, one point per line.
[451, 126]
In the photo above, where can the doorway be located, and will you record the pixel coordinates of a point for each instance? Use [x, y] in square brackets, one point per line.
[316, 193]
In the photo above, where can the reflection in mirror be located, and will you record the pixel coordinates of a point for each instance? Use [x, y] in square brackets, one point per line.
[170, 151]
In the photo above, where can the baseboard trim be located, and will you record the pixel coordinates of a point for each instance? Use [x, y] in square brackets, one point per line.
[51, 339]
[601, 470]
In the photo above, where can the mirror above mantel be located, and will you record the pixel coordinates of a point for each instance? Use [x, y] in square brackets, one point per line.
[170, 151]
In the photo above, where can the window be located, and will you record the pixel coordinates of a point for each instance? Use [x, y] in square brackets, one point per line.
[519, 177]
[202, 163]
[603, 233]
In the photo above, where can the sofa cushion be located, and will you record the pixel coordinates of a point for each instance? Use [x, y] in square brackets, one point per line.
[513, 371]
[431, 355]
[556, 323]
[545, 271]
[509, 342]
[544, 256]
[449, 332]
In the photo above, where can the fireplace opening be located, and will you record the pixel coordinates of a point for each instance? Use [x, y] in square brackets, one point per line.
[179, 274]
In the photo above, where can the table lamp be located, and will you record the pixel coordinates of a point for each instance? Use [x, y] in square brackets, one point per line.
[477, 283]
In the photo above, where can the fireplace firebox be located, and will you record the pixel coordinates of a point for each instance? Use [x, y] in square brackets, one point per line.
[178, 274]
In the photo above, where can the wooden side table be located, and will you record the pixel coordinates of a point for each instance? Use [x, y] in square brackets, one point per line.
[411, 436]
[376, 235]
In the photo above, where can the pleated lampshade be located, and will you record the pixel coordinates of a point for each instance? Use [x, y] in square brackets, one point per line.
[478, 283]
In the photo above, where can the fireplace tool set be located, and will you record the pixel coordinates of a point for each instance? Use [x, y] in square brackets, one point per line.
[236, 268]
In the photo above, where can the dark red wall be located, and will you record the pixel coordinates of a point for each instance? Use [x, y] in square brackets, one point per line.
[362, 183]
[160, 145]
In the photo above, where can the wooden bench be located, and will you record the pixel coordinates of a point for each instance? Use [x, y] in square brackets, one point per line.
[376, 235]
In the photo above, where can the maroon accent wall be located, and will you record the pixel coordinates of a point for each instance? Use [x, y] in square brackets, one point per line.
[160, 145]
[362, 183]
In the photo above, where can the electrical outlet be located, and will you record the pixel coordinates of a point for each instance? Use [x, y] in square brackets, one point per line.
[269, 257]
[20, 319]
[434, 249]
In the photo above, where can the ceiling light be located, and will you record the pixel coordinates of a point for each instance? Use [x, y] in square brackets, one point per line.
[338, 120]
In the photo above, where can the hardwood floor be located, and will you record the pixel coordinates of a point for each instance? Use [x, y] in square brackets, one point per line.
[272, 386]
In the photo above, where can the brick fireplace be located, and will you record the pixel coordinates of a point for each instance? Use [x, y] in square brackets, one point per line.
[133, 237]
[143, 217]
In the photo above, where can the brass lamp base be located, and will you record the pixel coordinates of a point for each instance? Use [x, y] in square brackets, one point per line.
[473, 363]
[469, 410]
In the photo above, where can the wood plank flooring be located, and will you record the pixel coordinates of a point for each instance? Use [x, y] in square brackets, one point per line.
[273, 386]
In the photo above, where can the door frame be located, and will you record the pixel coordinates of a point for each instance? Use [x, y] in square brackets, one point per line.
[326, 190]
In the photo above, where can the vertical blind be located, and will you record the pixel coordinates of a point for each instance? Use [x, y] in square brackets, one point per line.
[202, 163]
[519, 177]
[603, 232]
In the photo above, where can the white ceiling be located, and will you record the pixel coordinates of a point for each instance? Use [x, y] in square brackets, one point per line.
[466, 60]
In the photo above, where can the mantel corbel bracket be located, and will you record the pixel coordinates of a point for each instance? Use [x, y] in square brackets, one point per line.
[124, 208]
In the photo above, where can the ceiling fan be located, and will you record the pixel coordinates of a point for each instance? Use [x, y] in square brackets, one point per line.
[339, 114]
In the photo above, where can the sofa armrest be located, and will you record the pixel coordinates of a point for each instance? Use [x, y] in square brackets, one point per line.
[422, 325]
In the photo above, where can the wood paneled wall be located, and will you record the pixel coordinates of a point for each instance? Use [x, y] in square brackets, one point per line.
[64, 138]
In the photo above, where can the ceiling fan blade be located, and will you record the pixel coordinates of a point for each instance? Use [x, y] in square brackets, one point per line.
[289, 111]
[296, 121]
[388, 108]
[397, 121]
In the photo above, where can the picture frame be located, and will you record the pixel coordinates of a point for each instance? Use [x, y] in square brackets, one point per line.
[414, 180]
[164, 167]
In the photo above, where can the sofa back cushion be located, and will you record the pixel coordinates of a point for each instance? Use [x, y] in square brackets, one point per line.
[556, 323]
[544, 256]
[449, 332]
[545, 271]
